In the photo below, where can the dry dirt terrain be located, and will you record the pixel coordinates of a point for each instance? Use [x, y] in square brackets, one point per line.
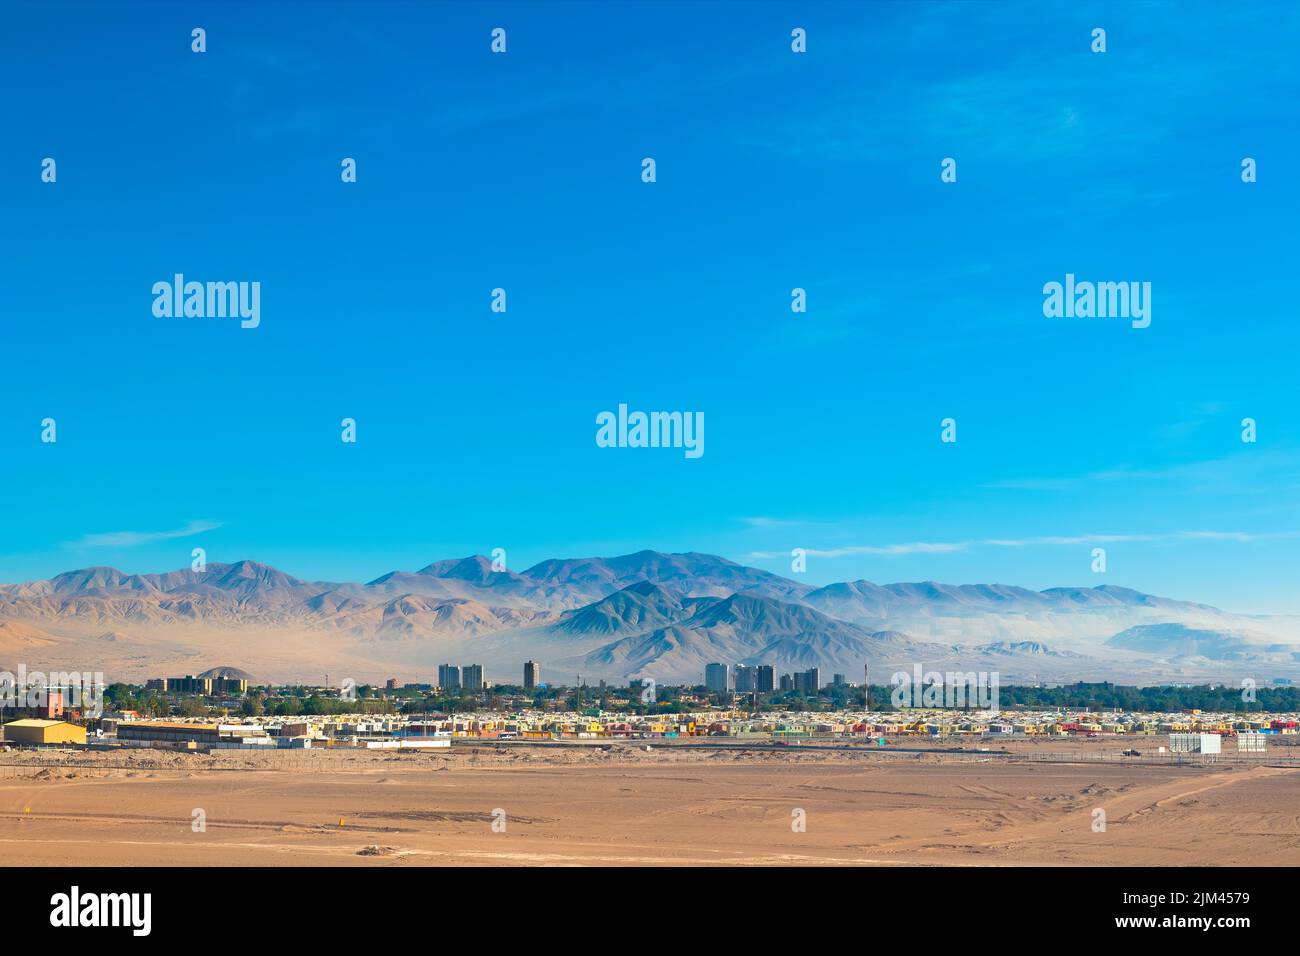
[622, 805]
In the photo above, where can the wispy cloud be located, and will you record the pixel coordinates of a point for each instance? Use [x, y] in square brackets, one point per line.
[1250, 471]
[944, 547]
[1037, 103]
[131, 539]
[761, 521]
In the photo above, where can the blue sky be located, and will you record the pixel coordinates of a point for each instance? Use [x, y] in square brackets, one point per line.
[775, 170]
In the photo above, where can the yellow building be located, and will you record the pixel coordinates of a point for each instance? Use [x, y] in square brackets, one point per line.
[31, 731]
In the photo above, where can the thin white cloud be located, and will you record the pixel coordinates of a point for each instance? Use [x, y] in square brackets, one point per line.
[1249, 471]
[943, 547]
[760, 521]
[131, 539]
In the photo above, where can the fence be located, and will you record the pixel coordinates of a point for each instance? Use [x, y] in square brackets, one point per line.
[247, 761]
[31, 763]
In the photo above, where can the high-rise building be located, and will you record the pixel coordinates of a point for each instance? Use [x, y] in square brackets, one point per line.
[838, 680]
[717, 678]
[787, 683]
[744, 679]
[448, 677]
[532, 675]
[765, 679]
[472, 677]
[809, 681]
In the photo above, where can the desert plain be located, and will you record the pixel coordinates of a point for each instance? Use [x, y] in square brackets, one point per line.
[624, 804]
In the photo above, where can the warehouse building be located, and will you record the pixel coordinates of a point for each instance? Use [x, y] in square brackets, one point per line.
[151, 734]
[196, 736]
[35, 732]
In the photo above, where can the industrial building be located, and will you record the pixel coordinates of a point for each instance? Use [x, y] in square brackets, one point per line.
[168, 734]
[193, 736]
[33, 731]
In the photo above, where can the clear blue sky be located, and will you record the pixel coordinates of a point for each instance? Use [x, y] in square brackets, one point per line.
[775, 170]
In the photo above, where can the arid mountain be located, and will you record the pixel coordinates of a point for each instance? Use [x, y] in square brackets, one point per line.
[227, 673]
[1022, 649]
[747, 629]
[634, 609]
[560, 585]
[17, 637]
[648, 613]
[1180, 642]
[699, 575]
[991, 613]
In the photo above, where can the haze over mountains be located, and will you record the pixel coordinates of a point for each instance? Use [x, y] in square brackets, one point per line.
[646, 614]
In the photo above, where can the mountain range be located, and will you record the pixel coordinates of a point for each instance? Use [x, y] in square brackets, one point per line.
[647, 614]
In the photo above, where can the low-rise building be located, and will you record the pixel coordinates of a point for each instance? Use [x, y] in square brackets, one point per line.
[34, 732]
[158, 733]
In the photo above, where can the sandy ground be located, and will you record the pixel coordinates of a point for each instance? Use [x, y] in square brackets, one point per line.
[626, 806]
